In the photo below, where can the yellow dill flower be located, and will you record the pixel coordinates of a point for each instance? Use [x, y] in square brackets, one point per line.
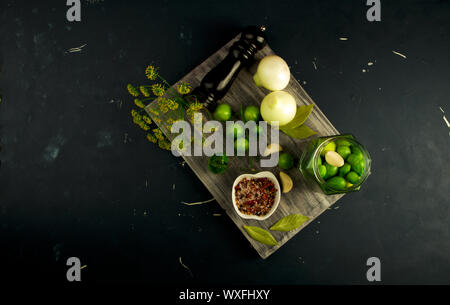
[144, 126]
[151, 72]
[164, 104]
[192, 109]
[157, 120]
[173, 105]
[158, 89]
[198, 106]
[164, 144]
[195, 106]
[147, 119]
[137, 117]
[184, 88]
[137, 120]
[152, 138]
[134, 113]
[153, 111]
[144, 91]
[139, 103]
[132, 90]
[158, 134]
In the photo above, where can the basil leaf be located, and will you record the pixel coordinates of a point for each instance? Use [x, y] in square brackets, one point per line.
[300, 132]
[300, 116]
[289, 223]
[261, 235]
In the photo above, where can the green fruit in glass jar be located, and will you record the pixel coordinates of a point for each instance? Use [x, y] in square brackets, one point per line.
[322, 171]
[344, 169]
[357, 151]
[344, 151]
[352, 177]
[331, 170]
[241, 144]
[353, 159]
[319, 161]
[343, 142]
[329, 147]
[338, 183]
[235, 130]
[358, 167]
[222, 112]
[285, 161]
[251, 113]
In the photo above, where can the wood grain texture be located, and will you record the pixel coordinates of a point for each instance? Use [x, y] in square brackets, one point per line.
[305, 198]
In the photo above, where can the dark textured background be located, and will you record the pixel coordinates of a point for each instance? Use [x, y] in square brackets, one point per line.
[70, 186]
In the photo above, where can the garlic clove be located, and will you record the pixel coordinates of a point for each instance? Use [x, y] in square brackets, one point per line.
[286, 182]
[334, 159]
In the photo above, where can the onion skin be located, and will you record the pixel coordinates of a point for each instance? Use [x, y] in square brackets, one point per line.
[272, 73]
[278, 108]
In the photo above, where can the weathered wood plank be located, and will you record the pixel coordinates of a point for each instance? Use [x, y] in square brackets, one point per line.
[305, 198]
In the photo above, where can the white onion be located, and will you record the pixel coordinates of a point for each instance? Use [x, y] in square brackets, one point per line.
[272, 73]
[278, 108]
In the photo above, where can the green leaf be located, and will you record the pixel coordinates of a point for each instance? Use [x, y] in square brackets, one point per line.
[261, 235]
[300, 116]
[290, 222]
[300, 132]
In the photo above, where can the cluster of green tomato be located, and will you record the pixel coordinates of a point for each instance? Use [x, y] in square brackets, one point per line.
[223, 113]
[347, 175]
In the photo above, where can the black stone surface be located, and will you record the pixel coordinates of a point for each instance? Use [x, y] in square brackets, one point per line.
[71, 186]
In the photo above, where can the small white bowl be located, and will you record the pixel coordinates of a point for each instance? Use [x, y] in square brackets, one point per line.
[258, 175]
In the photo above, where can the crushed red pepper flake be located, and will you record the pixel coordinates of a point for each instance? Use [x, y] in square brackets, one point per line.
[255, 196]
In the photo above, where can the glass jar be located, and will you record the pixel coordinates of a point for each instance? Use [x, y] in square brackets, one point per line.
[309, 164]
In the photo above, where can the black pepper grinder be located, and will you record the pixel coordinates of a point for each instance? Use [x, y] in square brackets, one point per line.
[218, 81]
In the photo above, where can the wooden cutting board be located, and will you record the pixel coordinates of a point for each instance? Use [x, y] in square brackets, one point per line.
[305, 198]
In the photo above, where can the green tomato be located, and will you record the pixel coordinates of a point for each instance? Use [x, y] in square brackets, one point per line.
[322, 171]
[218, 164]
[352, 177]
[329, 147]
[222, 112]
[338, 183]
[358, 167]
[344, 169]
[241, 144]
[353, 159]
[251, 113]
[285, 161]
[235, 130]
[343, 142]
[357, 151]
[344, 151]
[319, 161]
[331, 170]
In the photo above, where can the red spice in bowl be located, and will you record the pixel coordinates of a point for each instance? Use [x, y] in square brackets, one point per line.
[255, 196]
